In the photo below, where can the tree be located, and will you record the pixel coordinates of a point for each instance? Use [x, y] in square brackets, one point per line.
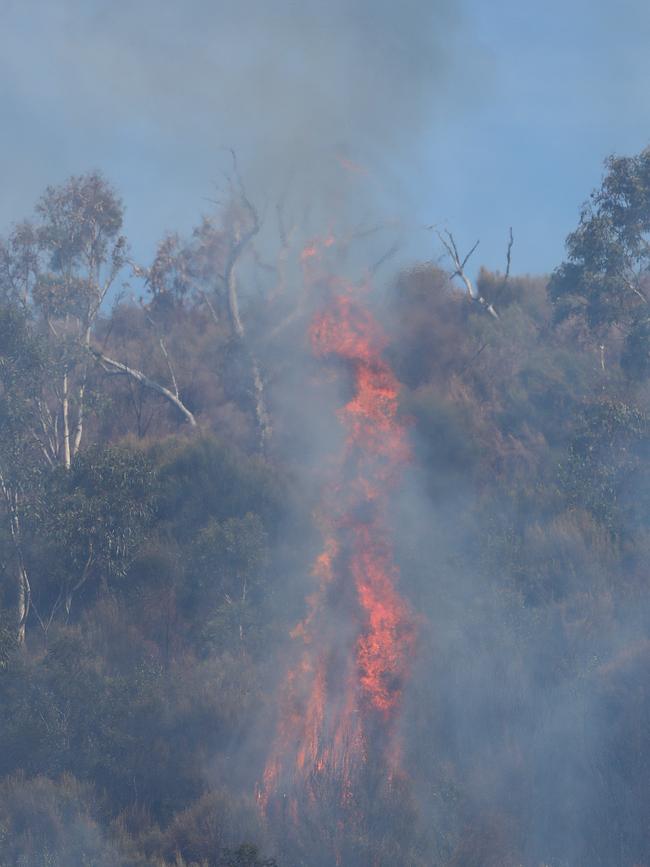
[60, 267]
[606, 471]
[201, 273]
[89, 523]
[605, 279]
[227, 563]
[22, 369]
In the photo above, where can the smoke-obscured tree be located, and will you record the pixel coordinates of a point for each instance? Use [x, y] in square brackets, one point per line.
[228, 559]
[199, 278]
[47, 823]
[190, 282]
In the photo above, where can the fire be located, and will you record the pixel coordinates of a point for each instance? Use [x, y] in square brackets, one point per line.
[351, 166]
[314, 248]
[342, 700]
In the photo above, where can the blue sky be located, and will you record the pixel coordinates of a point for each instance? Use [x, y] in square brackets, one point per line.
[468, 114]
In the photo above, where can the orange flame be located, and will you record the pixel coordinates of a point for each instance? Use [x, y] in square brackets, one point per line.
[341, 701]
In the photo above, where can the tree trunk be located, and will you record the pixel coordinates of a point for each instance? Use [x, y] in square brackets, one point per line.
[23, 589]
[261, 413]
[66, 422]
[78, 433]
[23, 601]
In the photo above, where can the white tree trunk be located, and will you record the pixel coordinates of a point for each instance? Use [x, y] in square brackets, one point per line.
[23, 601]
[65, 403]
[23, 589]
[261, 413]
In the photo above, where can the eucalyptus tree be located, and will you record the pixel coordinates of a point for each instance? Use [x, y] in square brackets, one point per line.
[89, 523]
[59, 267]
[56, 270]
[605, 280]
[22, 370]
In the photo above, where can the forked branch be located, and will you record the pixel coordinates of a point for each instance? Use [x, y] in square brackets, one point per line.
[448, 242]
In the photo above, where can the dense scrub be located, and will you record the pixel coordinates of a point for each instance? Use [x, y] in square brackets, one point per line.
[152, 567]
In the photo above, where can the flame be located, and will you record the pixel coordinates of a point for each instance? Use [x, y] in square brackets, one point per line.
[314, 248]
[341, 701]
[350, 166]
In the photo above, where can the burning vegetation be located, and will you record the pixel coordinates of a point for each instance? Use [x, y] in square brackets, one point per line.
[348, 571]
[341, 704]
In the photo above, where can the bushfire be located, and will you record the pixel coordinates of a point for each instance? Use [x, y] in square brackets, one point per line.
[340, 702]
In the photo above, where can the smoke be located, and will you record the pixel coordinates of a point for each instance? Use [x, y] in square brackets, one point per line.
[326, 103]
[308, 93]
[301, 76]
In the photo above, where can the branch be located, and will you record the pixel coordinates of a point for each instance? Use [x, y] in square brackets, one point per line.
[42, 446]
[473, 358]
[55, 607]
[286, 239]
[210, 306]
[79, 584]
[630, 285]
[511, 241]
[506, 276]
[392, 251]
[170, 367]
[448, 242]
[121, 368]
[238, 245]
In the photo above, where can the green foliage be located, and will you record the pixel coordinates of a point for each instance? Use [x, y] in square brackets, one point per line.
[187, 272]
[205, 479]
[635, 358]
[100, 508]
[607, 467]
[225, 580]
[78, 230]
[7, 640]
[87, 522]
[608, 252]
[23, 361]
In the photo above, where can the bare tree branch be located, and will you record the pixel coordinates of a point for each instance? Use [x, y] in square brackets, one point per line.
[119, 367]
[506, 276]
[448, 242]
[210, 306]
[80, 582]
[163, 349]
[392, 251]
[242, 236]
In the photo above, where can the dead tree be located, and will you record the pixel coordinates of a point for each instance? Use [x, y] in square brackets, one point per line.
[448, 242]
[246, 225]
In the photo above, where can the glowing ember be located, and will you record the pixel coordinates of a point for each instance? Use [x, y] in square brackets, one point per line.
[340, 703]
